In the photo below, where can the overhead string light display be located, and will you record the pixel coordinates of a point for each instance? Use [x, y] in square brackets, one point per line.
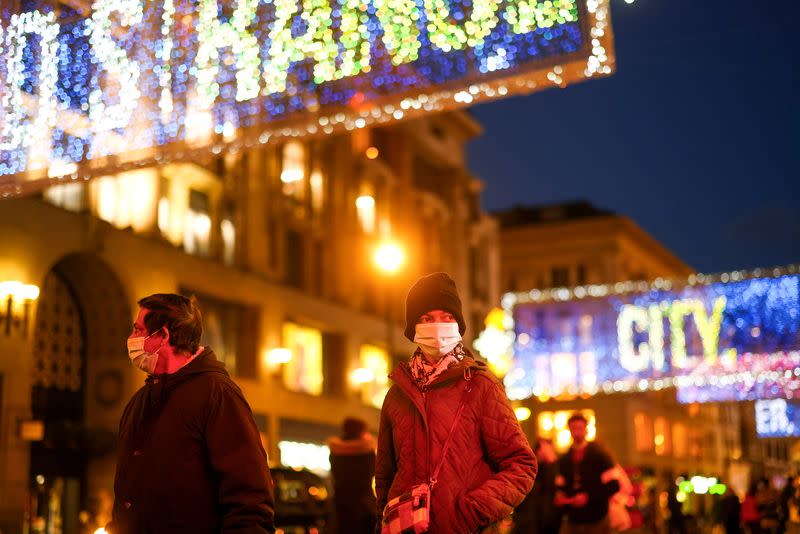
[135, 82]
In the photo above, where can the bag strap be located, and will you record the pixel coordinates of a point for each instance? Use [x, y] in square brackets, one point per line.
[467, 388]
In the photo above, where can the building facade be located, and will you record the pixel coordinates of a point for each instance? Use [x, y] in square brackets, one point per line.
[277, 244]
[650, 432]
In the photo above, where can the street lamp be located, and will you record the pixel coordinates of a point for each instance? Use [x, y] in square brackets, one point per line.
[389, 257]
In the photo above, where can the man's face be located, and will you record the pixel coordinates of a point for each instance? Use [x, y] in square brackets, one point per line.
[437, 316]
[577, 429]
[140, 330]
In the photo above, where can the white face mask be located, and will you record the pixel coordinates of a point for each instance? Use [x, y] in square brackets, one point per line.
[437, 339]
[146, 361]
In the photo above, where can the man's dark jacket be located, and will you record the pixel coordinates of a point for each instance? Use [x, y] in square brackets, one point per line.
[190, 457]
[589, 472]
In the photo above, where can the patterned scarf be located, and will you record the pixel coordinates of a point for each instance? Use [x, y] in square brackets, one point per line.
[424, 372]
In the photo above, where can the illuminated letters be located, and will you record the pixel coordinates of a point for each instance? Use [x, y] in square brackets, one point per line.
[527, 15]
[213, 35]
[317, 42]
[709, 327]
[116, 63]
[637, 359]
[16, 134]
[400, 31]
[448, 36]
[632, 316]
[355, 38]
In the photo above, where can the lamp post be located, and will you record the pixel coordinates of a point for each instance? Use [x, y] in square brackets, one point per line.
[389, 257]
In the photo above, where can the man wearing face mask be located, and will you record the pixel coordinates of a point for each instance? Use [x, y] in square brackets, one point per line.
[488, 466]
[190, 457]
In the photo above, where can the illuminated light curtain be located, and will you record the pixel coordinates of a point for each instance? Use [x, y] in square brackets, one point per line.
[376, 360]
[303, 373]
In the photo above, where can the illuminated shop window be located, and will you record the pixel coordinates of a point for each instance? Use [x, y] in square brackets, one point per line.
[227, 230]
[317, 185]
[662, 438]
[375, 369]
[553, 425]
[643, 428]
[300, 455]
[164, 209]
[365, 208]
[127, 200]
[197, 224]
[293, 170]
[303, 372]
[70, 196]
[680, 440]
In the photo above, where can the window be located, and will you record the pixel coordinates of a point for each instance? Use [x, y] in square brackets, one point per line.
[295, 254]
[680, 440]
[365, 209]
[317, 185]
[228, 332]
[559, 277]
[643, 428]
[70, 196]
[580, 275]
[293, 170]
[227, 230]
[662, 439]
[126, 200]
[197, 224]
[374, 363]
[303, 372]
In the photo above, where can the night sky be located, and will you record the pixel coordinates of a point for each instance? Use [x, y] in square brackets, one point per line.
[695, 137]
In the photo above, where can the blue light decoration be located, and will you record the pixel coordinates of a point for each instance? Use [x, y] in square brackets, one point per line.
[732, 337]
[777, 418]
[133, 82]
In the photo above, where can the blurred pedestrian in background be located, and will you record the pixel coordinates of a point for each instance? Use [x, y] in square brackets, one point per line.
[751, 518]
[353, 468]
[537, 514]
[584, 485]
[442, 395]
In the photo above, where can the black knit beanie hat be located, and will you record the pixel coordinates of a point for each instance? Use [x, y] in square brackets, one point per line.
[435, 291]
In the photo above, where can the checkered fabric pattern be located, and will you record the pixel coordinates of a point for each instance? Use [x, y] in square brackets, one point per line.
[409, 513]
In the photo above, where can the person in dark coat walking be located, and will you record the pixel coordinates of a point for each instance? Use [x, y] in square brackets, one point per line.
[537, 514]
[190, 457]
[489, 467]
[352, 469]
[584, 482]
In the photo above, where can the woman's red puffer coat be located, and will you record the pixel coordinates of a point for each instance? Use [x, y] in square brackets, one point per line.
[489, 467]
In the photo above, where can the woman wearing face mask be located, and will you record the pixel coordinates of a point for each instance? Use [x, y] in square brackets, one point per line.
[444, 400]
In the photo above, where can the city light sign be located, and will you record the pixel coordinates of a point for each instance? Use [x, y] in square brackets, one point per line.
[734, 337]
[123, 83]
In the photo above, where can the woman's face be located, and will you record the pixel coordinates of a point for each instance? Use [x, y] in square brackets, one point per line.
[437, 316]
